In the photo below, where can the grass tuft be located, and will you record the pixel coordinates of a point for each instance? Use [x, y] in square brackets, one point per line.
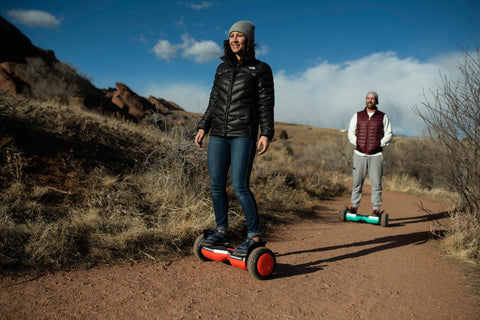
[84, 189]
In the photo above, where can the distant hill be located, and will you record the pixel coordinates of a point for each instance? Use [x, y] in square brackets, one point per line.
[30, 71]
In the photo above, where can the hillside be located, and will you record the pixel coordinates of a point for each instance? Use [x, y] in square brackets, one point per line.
[32, 72]
[84, 188]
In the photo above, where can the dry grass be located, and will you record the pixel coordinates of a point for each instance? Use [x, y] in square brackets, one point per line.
[462, 243]
[407, 184]
[82, 189]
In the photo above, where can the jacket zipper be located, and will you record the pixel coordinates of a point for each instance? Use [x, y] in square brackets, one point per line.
[229, 102]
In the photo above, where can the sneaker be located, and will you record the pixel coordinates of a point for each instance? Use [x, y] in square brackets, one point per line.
[352, 210]
[216, 238]
[242, 249]
[377, 213]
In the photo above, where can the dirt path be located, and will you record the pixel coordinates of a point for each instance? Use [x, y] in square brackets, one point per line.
[325, 270]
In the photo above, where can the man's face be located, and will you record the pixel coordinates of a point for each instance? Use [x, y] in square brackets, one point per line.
[370, 101]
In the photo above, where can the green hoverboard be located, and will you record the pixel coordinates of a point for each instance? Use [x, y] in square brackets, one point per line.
[346, 215]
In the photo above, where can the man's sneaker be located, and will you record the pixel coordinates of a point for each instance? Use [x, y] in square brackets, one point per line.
[242, 249]
[352, 210]
[216, 238]
[377, 213]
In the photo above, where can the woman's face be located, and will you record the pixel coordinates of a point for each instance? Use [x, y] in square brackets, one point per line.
[237, 42]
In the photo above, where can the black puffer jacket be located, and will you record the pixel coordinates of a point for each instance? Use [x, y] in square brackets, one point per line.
[242, 98]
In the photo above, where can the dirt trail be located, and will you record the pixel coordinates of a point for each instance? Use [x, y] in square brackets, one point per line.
[326, 269]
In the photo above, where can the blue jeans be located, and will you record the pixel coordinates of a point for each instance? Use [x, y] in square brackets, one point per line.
[236, 154]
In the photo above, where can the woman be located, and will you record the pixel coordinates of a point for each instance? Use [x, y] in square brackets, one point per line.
[241, 100]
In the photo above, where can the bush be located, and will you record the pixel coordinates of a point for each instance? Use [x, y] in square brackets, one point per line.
[283, 135]
[452, 117]
[453, 123]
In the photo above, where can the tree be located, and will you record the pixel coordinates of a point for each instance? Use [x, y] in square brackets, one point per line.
[452, 118]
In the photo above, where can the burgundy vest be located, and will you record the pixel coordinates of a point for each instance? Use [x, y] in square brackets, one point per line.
[369, 132]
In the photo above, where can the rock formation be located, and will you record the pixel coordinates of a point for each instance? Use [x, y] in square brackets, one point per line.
[33, 72]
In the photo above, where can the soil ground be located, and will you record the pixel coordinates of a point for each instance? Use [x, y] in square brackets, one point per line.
[326, 269]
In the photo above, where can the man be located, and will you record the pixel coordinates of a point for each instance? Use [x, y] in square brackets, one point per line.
[369, 131]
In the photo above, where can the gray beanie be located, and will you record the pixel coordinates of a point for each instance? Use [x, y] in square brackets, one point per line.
[245, 27]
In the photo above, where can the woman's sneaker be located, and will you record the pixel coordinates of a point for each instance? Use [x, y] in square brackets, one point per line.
[216, 238]
[242, 249]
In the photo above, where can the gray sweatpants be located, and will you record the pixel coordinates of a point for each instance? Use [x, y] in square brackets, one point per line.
[374, 165]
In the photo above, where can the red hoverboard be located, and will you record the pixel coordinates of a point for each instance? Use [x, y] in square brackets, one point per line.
[259, 262]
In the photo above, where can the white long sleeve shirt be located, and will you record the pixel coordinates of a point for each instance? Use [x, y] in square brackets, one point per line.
[387, 134]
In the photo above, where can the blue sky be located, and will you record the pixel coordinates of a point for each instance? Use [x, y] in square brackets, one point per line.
[325, 55]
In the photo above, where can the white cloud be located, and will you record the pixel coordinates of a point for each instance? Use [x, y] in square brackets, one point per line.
[140, 39]
[34, 18]
[198, 6]
[143, 39]
[165, 50]
[327, 95]
[261, 50]
[199, 51]
[191, 97]
[180, 24]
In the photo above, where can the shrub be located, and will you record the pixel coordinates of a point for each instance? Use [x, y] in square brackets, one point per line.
[283, 135]
[452, 117]
[453, 123]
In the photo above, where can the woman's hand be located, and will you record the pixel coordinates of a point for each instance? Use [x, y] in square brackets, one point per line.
[199, 137]
[262, 145]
